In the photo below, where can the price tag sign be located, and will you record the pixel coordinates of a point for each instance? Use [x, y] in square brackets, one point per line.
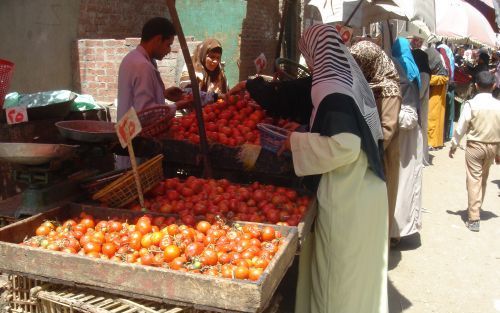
[345, 33]
[260, 63]
[16, 115]
[128, 127]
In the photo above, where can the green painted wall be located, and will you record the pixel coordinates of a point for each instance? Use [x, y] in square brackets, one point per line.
[221, 19]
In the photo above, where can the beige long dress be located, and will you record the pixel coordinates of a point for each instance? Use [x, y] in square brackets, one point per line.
[343, 264]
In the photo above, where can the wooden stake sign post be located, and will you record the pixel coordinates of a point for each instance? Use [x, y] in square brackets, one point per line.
[127, 128]
[207, 172]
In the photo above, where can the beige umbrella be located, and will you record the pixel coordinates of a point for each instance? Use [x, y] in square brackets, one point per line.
[357, 13]
[420, 13]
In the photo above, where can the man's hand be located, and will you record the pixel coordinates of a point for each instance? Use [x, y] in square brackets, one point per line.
[236, 89]
[184, 104]
[497, 159]
[452, 152]
[173, 94]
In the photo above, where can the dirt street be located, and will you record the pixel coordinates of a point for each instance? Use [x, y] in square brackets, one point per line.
[447, 268]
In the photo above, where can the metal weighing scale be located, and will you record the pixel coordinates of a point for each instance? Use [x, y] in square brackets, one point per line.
[53, 172]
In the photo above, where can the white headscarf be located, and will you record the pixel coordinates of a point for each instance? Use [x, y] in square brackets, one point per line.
[334, 70]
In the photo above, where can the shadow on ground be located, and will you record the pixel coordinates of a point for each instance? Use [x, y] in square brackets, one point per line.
[485, 215]
[411, 242]
[397, 302]
[394, 258]
[431, 159]
[497, 182]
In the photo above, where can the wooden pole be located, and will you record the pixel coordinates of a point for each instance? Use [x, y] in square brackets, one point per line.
[207, 171]
[353, 12]
[282, 30]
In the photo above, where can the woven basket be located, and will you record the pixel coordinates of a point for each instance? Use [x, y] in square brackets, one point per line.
[154, 121]
[19, 299]
[123, 190]
[96, 183]
[272, 137]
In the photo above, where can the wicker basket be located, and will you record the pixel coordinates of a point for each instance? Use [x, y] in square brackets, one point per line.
[154, 121]
[123, 190]
[19, 299]
[61, 299]
[96, 183]
[272, 137]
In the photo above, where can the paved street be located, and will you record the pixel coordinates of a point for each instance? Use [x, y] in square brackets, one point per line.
[447, 268]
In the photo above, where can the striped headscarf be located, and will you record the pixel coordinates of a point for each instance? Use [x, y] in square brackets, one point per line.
[334, 70]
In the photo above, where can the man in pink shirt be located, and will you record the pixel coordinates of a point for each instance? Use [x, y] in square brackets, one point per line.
[139, 81]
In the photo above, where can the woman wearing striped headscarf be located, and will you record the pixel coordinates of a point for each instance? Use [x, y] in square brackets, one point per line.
[343, 263]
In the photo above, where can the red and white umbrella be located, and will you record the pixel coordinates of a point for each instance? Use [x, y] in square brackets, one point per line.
[457, 19]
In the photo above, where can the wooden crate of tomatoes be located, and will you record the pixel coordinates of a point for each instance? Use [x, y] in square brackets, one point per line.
[192, 199]
[210, 265]
[229, 125]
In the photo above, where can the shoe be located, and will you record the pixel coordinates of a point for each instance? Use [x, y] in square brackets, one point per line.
[472, 225]
[394, 242]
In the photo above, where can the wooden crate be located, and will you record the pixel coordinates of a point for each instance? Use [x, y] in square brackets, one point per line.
[226, 157]
[305, 225]
[130, 280]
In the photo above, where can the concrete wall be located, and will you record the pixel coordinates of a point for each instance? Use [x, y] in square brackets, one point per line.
[37, 35]
[47, 38]
[220, 19]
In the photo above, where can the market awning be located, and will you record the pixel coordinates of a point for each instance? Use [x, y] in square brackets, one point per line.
[357, 13]
[490, 9]
[421, 13]
[459, 20]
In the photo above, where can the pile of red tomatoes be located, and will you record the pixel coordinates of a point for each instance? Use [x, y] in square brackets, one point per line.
[196, 198]
[215, 249]
[231, 123]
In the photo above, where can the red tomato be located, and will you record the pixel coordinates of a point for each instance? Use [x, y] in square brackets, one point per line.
[171, 252]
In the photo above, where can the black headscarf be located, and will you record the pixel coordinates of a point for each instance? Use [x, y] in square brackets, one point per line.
[422, 60]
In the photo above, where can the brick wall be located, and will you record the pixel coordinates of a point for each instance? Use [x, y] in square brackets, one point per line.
[97, 58]
[117, 19]
[98, 61]
[259, 34]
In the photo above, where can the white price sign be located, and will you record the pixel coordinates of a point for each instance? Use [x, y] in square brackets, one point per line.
[260, 63]
[128, 127]
[16, 115]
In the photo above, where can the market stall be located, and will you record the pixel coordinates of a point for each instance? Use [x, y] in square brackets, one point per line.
[251, 188]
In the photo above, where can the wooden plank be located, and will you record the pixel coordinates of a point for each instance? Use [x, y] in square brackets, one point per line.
[149, 283]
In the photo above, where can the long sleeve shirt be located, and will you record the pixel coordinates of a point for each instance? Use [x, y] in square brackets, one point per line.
[139, 86]
[139, 83]
[480, 121]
